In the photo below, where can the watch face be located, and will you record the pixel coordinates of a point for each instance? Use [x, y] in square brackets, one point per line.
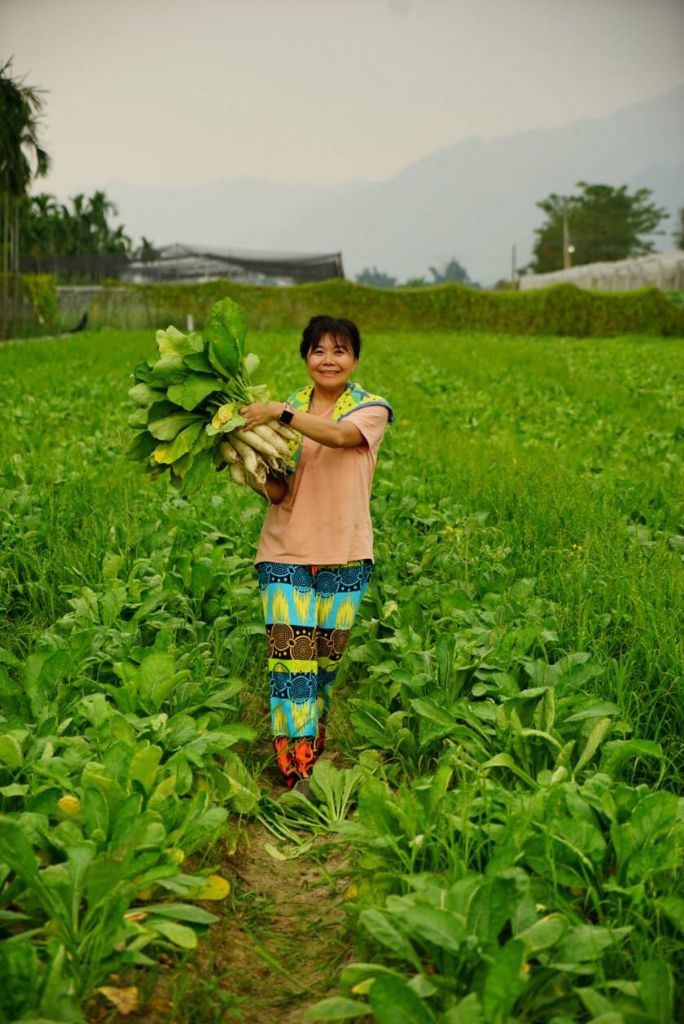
[286, 416]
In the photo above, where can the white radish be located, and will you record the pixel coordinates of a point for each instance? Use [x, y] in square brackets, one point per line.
[248, 437]
[261, 472]
[246, 453]
[228, 453]
[237, 473]
[287, 432]
[275, 440]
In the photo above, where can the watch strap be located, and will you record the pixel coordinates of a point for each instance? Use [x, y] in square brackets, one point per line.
[287, 414]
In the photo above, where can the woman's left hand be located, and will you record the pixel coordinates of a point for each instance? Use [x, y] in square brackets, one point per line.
[259, 413]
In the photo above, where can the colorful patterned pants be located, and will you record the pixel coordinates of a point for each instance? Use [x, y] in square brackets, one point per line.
[309, 611]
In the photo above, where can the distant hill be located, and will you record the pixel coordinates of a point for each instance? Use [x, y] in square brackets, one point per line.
[472, 200]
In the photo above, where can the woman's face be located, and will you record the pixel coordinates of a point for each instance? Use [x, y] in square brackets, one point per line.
[330, 363]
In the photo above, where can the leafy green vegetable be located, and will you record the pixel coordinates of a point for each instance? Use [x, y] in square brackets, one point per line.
[179, 397]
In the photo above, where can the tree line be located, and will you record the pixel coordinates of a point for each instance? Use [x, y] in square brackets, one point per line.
[599, 223]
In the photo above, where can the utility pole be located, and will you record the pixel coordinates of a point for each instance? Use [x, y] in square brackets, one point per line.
[514, 273]
[567, 262]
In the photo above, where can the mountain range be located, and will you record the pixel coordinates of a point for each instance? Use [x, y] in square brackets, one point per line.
[471, 201]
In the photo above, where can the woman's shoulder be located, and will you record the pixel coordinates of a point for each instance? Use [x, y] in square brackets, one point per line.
[357, 397]
[300, 398]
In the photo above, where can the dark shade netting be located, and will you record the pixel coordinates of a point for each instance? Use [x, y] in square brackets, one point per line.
[178, 263]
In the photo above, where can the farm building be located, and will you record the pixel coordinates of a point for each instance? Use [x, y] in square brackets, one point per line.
[192, 263]
[663, 270]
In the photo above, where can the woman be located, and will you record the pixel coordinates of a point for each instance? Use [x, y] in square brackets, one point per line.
[315, 554]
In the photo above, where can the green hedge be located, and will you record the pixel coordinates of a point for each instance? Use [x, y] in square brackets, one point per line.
[36, 312]
[562, 309]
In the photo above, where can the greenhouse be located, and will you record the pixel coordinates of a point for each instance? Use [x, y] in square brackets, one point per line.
[664, 270]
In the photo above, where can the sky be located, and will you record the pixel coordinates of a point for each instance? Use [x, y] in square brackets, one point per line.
[181, 92]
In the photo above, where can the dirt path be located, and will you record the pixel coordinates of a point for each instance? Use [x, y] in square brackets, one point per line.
[282, 950]
[276, 950]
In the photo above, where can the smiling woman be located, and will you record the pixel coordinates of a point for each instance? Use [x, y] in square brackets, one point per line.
[315, 553]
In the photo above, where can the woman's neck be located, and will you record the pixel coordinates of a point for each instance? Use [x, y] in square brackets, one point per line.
[327, 395]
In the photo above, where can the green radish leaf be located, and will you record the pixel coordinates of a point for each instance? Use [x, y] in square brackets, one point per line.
[394, 1002]
[155, 679]
[168, 370]
[442, 928]
[426, 707]
[355, 973]
[504, 982]
[199, 362]
[444, 652]
[468, 1011]
[142, 371]
[95, 814]
[205, 828]
[543, 934]
[586, 943]
[179, 934]
[673, 908]
[619, 752]
[375, 922]
[336, 1008]
[144, 764]
[654, 816]
[506, 761]
[244, 791]
[229, 315]
[181, 912]
[143, 394]
[197, 474]
[138, 418]
[10, 752]
[181, 467]
[168, 427]
[252, 363]
[173, 342]
[193, 390]
[594, 740]
[162, 409]
[656, 989]
[180, 445]
[14, 789]
[224, 354]
[16, 853]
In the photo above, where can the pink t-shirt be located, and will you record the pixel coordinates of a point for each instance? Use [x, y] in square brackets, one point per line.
[324, 519]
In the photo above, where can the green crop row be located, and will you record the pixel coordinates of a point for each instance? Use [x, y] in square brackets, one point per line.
[117, 725]
[509, 865]
[511, 703]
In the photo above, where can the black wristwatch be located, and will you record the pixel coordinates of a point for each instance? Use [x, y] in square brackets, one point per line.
[287, 414]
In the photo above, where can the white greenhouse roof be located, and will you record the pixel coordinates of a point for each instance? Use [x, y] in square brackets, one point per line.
[661, 269]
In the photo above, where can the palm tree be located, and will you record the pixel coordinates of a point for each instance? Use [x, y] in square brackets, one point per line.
[40, 228]
[22, 158]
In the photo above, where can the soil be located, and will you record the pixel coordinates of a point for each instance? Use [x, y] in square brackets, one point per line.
[277, 949]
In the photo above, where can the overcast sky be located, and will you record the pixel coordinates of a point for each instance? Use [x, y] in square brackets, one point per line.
[325, 91]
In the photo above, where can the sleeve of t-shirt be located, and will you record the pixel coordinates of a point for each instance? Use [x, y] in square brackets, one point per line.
[371, 421]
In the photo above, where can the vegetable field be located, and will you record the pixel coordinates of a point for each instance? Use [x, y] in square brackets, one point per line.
[499, 835]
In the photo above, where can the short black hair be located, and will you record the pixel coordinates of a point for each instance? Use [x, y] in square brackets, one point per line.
[340, 329]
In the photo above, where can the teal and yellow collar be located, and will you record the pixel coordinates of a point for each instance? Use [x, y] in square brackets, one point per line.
[352, 398]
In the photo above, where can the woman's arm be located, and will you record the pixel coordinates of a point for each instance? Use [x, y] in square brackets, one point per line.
[332, 435]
